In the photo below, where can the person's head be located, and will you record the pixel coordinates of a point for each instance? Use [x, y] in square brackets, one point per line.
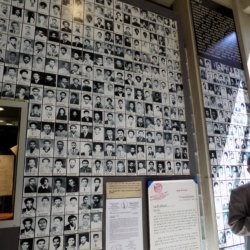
[71, 241]
[96, 237]
[44, 181]
[73, 128]
[61, 111]
[109, 164]
[72, 219]
[73, 144]
[84, 182]
[31, 162]
[120, 102]
[47, 144]
[140, 165]
[87, 147]
[56, 241]
[120, 133]
[7, 86]
[42, 223]
[73, 201]
[97, 182]
[96, 199]
[131, 133]
[109, 132]
[46, 127]
[25, 244]
[27, 223]
[40, 243]
[98, 147]
[86, 99]
[151, 164]
[96, 217]
[57, 201]
[120, 116]
[45, 201]
[85, 199]
[29, 202]
[71, 182]
[110, 116]
[72, 163]
[97, 130]
[83, 238]
[97, 163]
[120, 166]
[58, 163]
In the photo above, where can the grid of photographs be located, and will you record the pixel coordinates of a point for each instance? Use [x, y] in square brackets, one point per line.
[226, 109]
[62, 213]
[104, 85]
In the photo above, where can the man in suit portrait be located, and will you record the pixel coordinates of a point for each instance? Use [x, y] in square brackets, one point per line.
[72, 223]
[109, 151]
[28, 229]
[36, 78]
[86, 117]
[110, 119]
[109, 134]
[85, 133]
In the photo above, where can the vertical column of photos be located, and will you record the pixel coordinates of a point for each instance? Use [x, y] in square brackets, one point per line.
[226, 105]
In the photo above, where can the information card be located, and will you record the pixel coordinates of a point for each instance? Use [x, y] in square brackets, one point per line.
[6, 174]
[174, 215]
[124, 216]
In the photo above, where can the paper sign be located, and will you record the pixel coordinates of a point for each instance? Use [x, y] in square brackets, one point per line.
[123, 189]
[6, 174]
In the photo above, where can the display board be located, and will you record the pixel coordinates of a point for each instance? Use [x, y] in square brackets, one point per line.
[174, 215]
[124, 215]
[226, 106]
[6, 174]
[105, 89]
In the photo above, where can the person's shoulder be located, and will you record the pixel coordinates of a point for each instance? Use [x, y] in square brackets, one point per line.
[242, 188]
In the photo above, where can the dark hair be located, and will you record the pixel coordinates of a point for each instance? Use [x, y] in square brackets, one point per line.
[39, 240]
[97, 179]
[43, 219]
[71, 217]
[43, 179]
[57, 198]
[28, 219]
[28, 199]
[57, 237]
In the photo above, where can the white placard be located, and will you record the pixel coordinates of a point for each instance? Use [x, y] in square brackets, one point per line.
[124, 224]
[174, 215]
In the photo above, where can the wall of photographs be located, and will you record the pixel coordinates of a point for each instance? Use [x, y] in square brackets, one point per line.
[226, 105]
[104, 85]
[226, 108]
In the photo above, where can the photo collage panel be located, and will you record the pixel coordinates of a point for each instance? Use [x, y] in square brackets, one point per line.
[227, 110]
[62, 212]
[104, 85]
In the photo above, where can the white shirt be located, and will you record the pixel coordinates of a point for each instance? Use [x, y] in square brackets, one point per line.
[86, 246]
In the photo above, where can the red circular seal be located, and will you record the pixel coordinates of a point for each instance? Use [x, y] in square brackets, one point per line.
[158, 187]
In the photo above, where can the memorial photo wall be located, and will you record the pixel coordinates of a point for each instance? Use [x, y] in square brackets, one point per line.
[104, 84]
[226, 108]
